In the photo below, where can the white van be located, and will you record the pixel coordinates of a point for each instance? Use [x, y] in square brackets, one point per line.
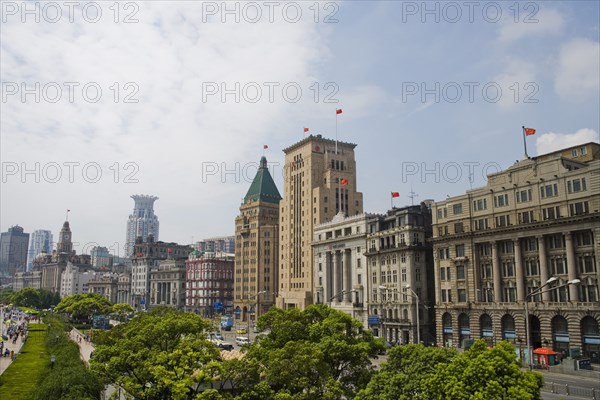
[241, 340]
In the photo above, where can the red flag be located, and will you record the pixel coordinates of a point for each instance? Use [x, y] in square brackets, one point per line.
[338, 111]
[169, 250]
[265, 147]
[529, 131]
[139, 254]
[395, 194]
[305, 130]
[344, 182]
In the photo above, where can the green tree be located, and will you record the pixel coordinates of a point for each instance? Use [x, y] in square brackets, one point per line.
[6, 296]
[406, 373]
[485, 374]
[318, 353]
[157, 355]
[48, 298]
[27, 297]
[82, 307]
[121, 310]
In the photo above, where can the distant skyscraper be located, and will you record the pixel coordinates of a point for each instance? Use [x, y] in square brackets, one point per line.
[13, 251]
[142, 222]
[39, 242]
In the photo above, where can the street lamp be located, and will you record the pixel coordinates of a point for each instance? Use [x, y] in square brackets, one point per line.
[342, 293]
[249, 298]
[539, 290]
[417, 304]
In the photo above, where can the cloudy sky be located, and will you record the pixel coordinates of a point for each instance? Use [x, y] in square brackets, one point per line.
[176, 99]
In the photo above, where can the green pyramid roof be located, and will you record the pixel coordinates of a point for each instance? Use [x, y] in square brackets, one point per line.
[263, 187]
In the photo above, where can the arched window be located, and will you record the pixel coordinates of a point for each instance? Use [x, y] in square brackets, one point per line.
[590, 335]
[487, 328]
[508, 328]
[447, 329]
[560, 334]
[464, 329]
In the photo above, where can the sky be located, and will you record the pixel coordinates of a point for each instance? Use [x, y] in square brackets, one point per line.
[103, 100]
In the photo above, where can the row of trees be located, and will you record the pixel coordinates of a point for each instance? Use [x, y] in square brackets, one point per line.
[29, 297]
[317, 353]
[83, 307]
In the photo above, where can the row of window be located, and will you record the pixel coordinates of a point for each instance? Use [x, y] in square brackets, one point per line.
[588, 293]
[521, 196]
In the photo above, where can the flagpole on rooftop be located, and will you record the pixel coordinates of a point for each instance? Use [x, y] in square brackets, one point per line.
[525, 143]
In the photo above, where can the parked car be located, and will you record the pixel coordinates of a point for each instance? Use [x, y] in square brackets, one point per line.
[242, 341]
[225, 346]
[241, 331]
[217, 335]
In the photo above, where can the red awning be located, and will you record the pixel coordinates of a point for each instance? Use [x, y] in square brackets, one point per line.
[545, 351]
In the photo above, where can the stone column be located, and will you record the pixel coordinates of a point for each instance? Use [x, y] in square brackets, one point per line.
[328, 284]
[544, 275]
[497, 273]
[348, 275]
[572, 267]
[336, 274]
[521, 287]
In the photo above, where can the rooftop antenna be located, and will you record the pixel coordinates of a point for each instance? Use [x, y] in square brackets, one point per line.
[412, 196]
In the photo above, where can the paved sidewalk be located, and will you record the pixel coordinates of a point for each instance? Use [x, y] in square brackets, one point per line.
[6, 361]
[85, 348]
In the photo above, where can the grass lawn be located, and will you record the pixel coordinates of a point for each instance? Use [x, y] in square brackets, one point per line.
[22, 376]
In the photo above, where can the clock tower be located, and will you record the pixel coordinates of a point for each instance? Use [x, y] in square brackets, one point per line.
[64, 245]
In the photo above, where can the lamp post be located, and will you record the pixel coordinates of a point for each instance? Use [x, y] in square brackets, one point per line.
[417, 304]
[539, 290]
[249, 298]
[384, 333]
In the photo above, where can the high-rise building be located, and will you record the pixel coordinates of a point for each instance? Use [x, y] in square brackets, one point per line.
[257, 246]
[13, 251]
[101, 258]
[527, 243]
[222, 244]
[39, 242]
[319, 182]
[141, 223]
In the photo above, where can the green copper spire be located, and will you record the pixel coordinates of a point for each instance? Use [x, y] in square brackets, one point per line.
[263, 187]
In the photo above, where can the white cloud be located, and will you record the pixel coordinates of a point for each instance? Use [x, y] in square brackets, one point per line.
[170, 133]
[577, 76]
[530, 23]
[549, 142]
[518, 83]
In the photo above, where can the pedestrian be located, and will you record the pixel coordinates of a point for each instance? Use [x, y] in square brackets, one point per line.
[12, 355]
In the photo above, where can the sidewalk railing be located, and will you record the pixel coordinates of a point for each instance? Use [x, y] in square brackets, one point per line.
[570, 390]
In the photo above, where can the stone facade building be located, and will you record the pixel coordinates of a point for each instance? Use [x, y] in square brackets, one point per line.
[400, 265]
[257, 247]
[147, 256]
[340, 266]
[496, 246]
[209, 283]
[319, 182]
[167, 284]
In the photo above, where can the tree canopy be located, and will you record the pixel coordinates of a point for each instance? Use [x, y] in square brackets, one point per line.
[161, 354]
[419, 372]
[318, 353]
[84, 306]
[33, 298]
